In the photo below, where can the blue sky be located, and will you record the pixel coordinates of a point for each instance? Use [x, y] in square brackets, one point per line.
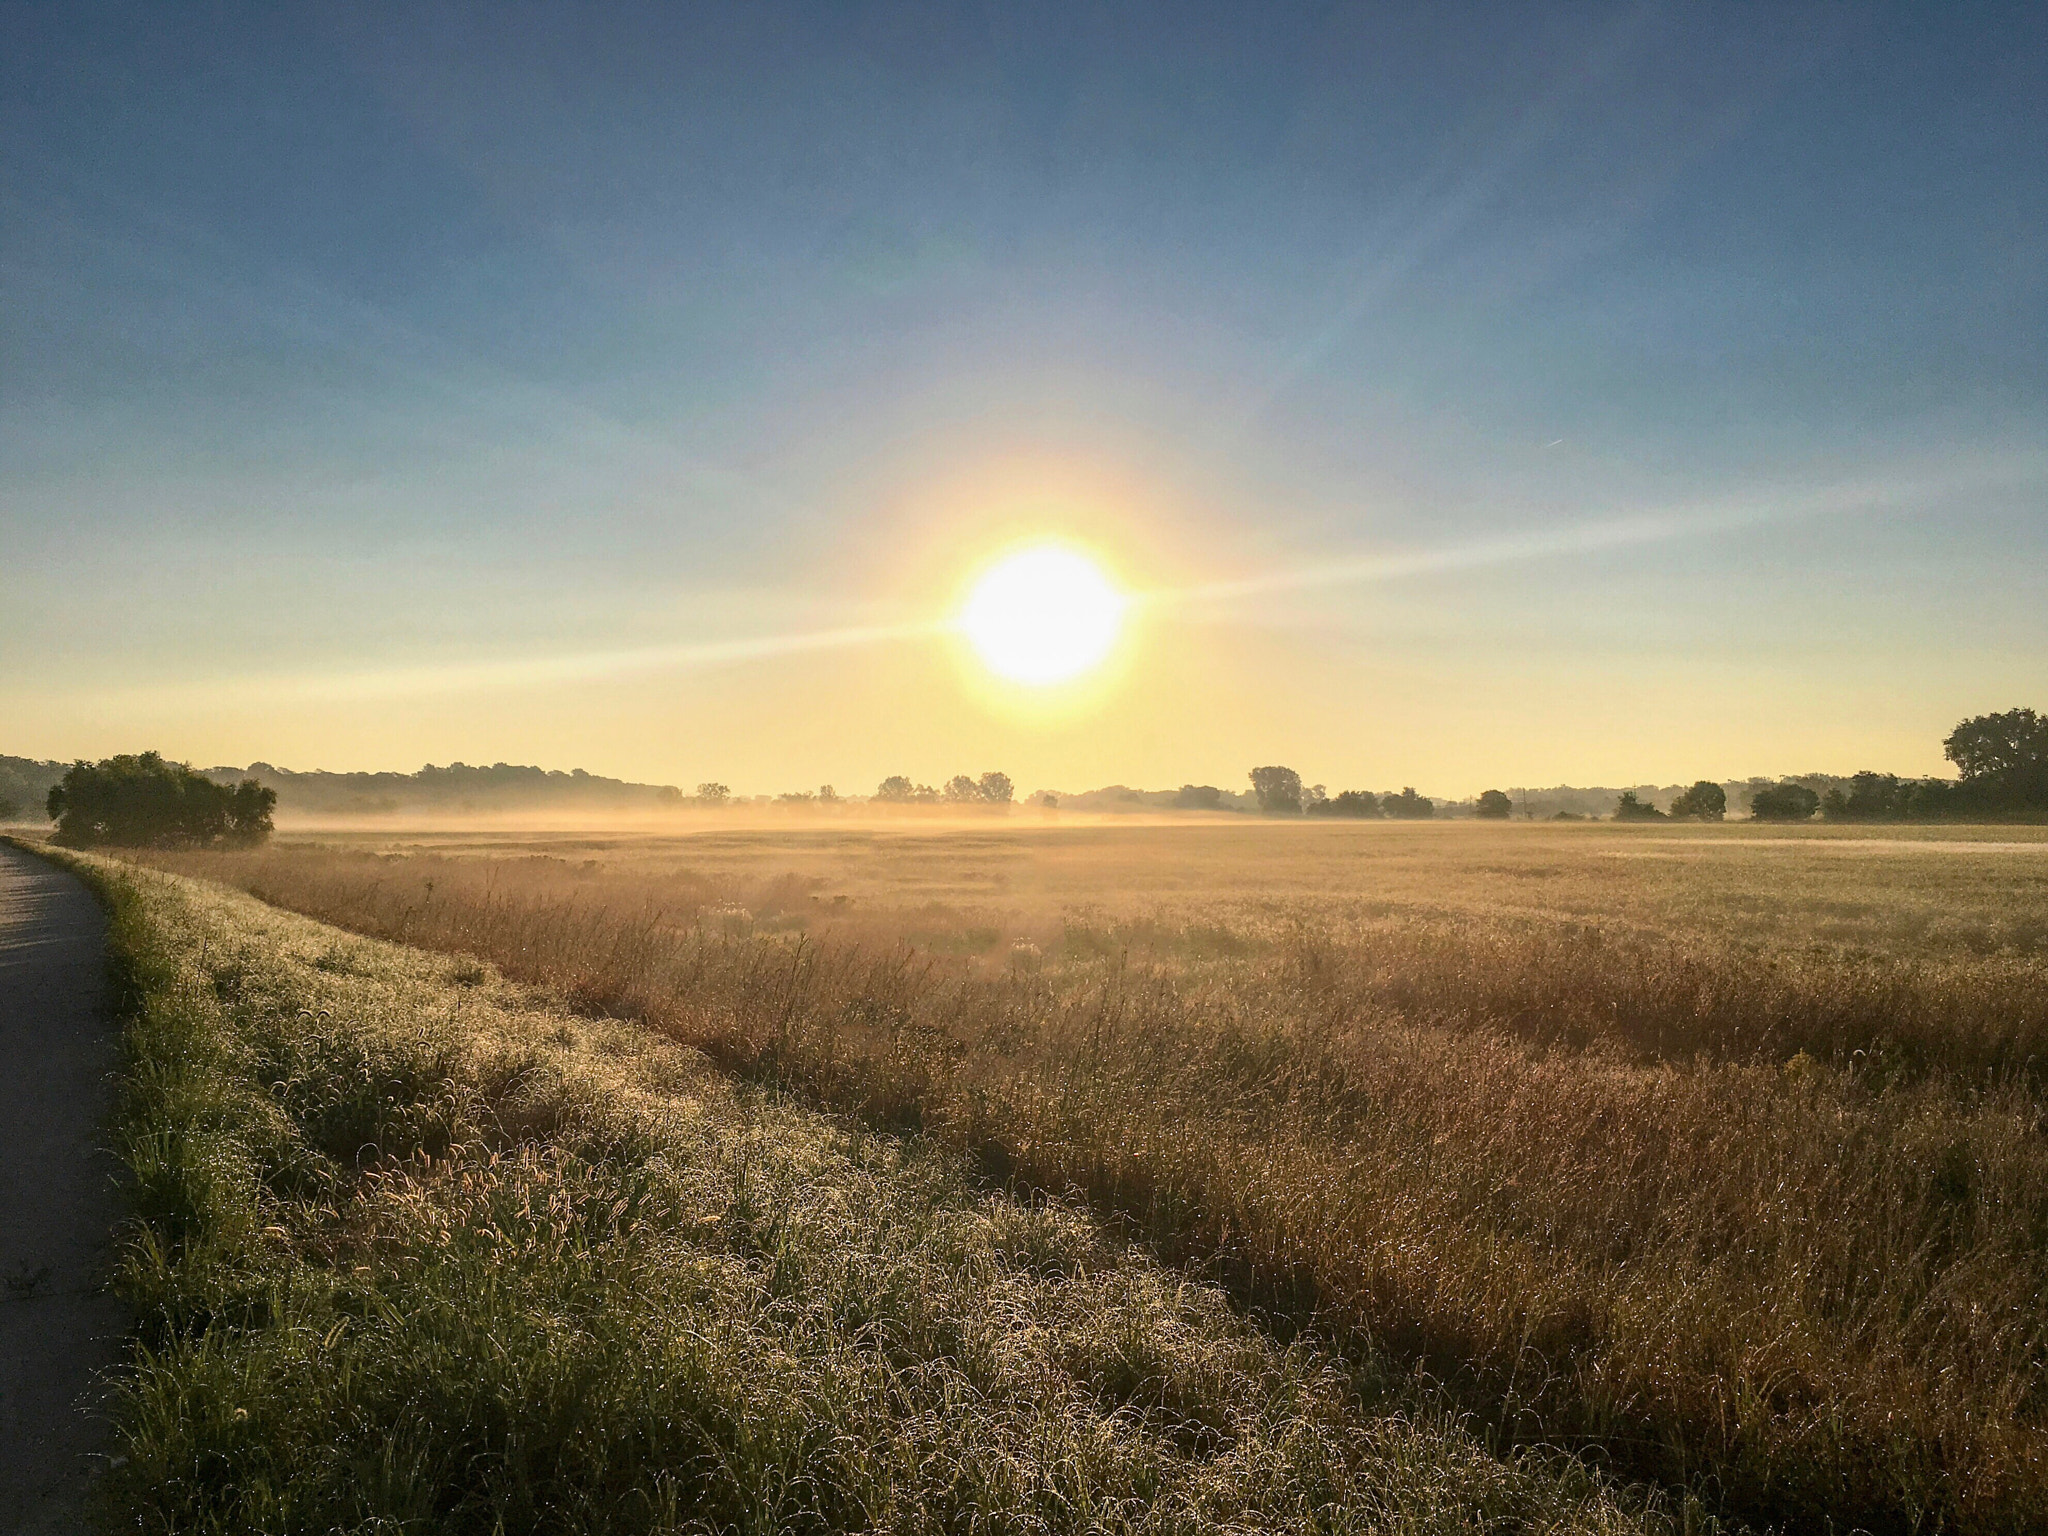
[376, 378]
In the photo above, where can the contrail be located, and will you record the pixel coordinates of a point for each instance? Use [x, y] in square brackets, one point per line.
[1861, 497]
[1876, 495]
[519, 672]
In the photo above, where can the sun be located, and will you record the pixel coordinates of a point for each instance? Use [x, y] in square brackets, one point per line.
[1043, 615]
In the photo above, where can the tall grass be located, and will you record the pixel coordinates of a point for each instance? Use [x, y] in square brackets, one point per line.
[1772, 1227]
[416, 1251]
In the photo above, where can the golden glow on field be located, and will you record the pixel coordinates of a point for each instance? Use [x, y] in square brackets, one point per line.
[1043, 615]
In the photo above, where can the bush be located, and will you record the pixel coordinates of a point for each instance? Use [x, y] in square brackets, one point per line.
[1784, 802]
[1629, 808]
[1494, 805]
[145, 802]
[1705, 801]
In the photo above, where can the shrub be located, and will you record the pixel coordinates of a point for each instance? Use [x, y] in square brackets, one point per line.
[145, 802]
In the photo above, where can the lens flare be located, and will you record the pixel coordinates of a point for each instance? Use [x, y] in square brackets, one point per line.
[1043, 615]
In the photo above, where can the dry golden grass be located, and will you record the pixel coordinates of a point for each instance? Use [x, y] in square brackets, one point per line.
[1722, 1155]
[418, 1250]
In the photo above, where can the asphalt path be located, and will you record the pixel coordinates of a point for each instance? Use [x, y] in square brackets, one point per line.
[60, 1330]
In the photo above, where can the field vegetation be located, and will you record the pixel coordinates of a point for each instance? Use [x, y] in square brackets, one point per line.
[1711, 1155]
[417, 1249]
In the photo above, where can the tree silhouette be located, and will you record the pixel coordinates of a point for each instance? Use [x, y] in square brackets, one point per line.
[143, 801]
[1705, 801]
[1354, 803]
[2003, 758]
[1494, 805]
[1278, 789]
[1407, 805]
[1783, 802]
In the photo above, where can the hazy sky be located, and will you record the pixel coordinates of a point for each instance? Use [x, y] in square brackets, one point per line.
[1581, 393]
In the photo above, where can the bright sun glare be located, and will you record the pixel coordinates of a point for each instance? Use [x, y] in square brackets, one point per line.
[1043, 615]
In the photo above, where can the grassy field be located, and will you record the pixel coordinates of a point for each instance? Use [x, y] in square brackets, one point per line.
[417, 1249]
[1713, 1157]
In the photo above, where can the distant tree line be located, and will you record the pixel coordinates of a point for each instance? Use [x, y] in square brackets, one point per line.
[2001, 759]
[143, 801]
[1280, 793]
[960, 790]
[2002, 762]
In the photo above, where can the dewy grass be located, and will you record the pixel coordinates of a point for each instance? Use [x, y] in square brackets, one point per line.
[414, 1250]
[1768, 1225]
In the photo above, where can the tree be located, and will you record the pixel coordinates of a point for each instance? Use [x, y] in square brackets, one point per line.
[8, 809]
[713, 794]
[143, 801]
[997, 789]
[1869, 797]
[1629, 808]
[827, 795]
[1705, 801]
[1357, 803]
[1494, 805]
[2003, 758]
[894, 790]
[961, 790]
[1784, 802]
[1278, 789]
[1407, 805]
[668, 797]
[1198, 797]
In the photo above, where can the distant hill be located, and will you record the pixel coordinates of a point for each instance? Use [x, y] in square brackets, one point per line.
[458, 789]
[1598, 801]
[27, 782]
[462, 789]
